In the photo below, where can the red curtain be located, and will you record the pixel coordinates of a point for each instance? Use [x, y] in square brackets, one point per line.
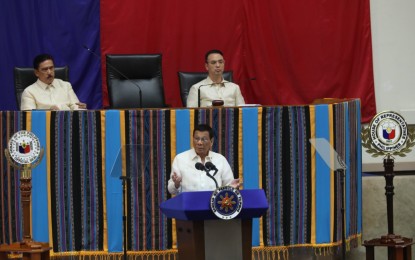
[281, 52]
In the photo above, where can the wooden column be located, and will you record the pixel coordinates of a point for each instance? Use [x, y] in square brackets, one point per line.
[399, 248]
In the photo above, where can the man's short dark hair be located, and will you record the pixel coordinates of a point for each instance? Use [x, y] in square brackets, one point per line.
[212, 52]
[204, 128]
[41, 58]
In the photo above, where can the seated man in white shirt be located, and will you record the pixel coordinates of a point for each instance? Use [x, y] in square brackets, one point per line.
[214, 87]
[48, 92]
[184, 175]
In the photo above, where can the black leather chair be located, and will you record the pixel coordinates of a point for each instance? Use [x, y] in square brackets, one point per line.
[24, 77]
[128, 74]
[188, 79]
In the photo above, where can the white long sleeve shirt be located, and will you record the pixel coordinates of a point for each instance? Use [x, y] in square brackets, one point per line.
[42, 96]
[197, 180]
[227, 91]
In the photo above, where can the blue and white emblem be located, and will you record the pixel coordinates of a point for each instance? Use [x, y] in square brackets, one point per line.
[226, 202]
[24, 147]
[388, 131]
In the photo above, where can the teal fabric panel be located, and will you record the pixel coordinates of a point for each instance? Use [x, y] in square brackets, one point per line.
[40, 220]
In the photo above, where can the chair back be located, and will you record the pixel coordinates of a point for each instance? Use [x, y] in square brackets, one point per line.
[127, 74]
[188, 79]
[24, 77]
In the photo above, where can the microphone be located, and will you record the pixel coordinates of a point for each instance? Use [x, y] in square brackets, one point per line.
[202, 167]
[211, 167]
[198, 93]
[119, 72]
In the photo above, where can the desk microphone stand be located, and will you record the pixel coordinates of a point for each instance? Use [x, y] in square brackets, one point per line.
[213, 178]
[342, 176]
[125, 181]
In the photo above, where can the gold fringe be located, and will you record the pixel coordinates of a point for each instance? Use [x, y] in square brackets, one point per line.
[329, 248]
[261, 252]
[14, 256]
[323, 251]
[101, 255]
[270, 253]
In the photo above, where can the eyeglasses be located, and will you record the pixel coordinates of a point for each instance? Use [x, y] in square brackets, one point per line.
[45, 70]
[199, 139]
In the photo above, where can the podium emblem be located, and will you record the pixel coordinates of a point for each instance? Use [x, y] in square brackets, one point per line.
[24, 153]
[24, 147]
[226, 202]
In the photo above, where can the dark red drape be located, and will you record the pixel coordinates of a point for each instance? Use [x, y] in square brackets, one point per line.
[281, 52]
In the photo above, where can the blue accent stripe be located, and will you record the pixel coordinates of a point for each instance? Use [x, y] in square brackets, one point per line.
[359, 169]
[40, 221]
[322, 179]
[113, 185]
[250, 161]
[182, 130]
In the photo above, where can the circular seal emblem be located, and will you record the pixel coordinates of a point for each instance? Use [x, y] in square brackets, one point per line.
[388, 131]
[24, 147]
[226, 202]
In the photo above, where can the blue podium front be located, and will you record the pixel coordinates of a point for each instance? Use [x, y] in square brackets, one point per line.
[202, 235]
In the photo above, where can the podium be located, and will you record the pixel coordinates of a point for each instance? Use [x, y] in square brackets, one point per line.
[202, 235]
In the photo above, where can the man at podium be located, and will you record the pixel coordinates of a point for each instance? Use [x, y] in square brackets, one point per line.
[200, 169]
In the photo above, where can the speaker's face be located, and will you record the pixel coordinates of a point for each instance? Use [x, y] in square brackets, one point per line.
[215, 65]
[46, 72]
[202, 143]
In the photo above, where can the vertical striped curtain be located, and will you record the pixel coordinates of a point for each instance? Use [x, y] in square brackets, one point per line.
[10, 206]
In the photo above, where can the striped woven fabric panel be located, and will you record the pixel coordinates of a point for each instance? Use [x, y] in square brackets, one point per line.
[339, 124]
[294, 217]
[149, 164]
[267, 147]
[10, 206]
[287, 182]
[76, 182]
[346, 130]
